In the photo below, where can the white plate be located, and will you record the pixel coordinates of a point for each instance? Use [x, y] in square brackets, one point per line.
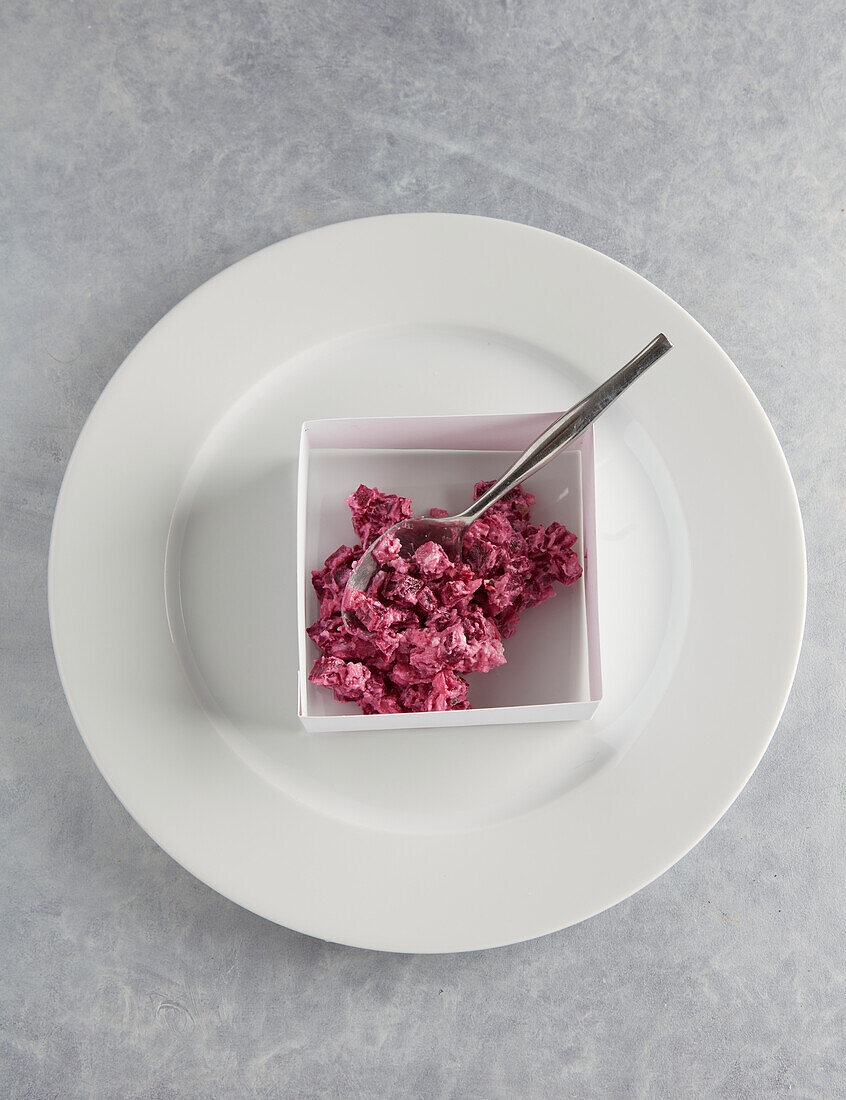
[422, 840]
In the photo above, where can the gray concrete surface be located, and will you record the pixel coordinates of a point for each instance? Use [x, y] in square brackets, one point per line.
[147, 145]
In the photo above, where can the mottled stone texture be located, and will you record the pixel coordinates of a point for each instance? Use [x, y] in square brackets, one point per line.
[147, 145]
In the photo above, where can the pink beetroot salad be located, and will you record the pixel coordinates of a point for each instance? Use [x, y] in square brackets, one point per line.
[427, 621]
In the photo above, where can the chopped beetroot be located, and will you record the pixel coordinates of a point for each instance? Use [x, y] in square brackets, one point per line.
[388, 549]
[373, 512]
[431, 559]
[446, 692]
[426, 621]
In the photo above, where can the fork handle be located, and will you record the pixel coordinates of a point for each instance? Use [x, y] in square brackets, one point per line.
[568, 426]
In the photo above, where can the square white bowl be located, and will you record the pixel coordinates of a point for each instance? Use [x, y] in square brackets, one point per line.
[553, 671]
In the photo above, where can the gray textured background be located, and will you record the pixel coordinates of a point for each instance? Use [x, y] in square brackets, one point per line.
[147, 145]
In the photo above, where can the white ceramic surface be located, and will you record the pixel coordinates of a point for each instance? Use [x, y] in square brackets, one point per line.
[429, 840]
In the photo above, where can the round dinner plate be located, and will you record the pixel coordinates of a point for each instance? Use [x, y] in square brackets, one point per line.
[172, 587]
